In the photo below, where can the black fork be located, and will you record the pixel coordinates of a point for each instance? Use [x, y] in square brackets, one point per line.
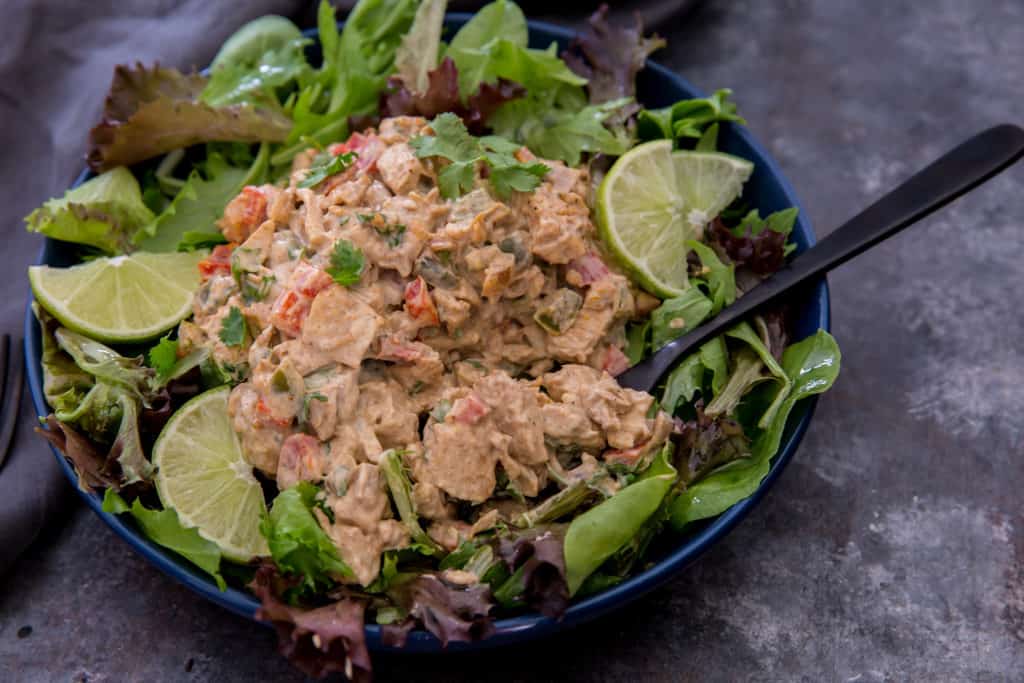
[12, 371]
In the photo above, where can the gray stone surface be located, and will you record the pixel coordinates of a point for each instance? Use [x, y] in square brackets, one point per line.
[893, 547]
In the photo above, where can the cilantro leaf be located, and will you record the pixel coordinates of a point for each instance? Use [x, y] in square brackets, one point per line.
[452, 141]
[163, 358]
[346, 263]
[326, 165]
[232, 329]
[517, 177]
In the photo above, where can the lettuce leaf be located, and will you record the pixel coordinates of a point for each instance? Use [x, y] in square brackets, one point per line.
[610, 57]
[107, 365]
[553, 119]
[812, 366]
[401, 493]
[92, 468]
[687, 120]
[564, 134]
[103, 212]
[163, 528]
[319, 641]
[418, 53]
[98, 396]
[258, 64]
[604, 529]
[499, 20]
[356, 66]
[453, 613]
[678, 315]
[759, 244]
[707, 442]
[536, 558]
[297, 543]
[200, 203]
[442, 95]
[745, 333]
[719, 278]
[258, 83]
[60, 374]
[151, 111]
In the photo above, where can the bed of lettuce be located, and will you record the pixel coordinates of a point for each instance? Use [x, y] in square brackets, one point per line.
[173, 148]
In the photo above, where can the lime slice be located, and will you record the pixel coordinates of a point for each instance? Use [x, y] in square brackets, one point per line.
[203, 476]
[122, 298]
[654, 199]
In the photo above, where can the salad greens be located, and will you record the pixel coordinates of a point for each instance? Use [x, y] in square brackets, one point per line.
[163, 528]
[172, 151]
[811, 366]
[689, 121]
[152, 111]
[298, 544]
[604, 529]
[105, 212]
[199, 203]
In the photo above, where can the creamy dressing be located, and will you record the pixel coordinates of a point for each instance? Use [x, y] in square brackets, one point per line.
[493, 324]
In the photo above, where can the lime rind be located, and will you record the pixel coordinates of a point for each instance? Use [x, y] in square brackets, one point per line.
[654, 199]
[121, 299]
[204, 477]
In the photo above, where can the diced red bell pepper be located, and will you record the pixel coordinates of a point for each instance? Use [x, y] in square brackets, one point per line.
[469, 409]
[309, 280]
[615, 361]
[217, 263]
[289, 312]
[367, 147]
[419, 304]
[589, 268]
[396, 350]
[266, 417]
[627, 456]
[300, 460]
[244, 214]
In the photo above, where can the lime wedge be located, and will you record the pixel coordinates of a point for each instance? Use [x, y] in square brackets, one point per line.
[203, 476]
[122, 298]
[654, 199]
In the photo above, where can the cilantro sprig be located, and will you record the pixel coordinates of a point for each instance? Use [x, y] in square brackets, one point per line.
[232, 328]
[453, 142]
[163, 357]
[325, 165]
[346, 263]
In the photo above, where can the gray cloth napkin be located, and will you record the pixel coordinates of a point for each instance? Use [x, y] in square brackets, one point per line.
[56, 60]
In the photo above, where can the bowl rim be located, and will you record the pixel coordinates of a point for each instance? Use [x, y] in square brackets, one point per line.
[522, 627]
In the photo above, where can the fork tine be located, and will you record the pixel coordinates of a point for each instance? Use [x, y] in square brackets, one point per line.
[10, 400]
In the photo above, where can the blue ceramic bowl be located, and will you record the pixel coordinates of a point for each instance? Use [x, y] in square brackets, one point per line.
[767, 190]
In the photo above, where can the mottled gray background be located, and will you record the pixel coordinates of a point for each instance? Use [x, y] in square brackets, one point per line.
[893, 547]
